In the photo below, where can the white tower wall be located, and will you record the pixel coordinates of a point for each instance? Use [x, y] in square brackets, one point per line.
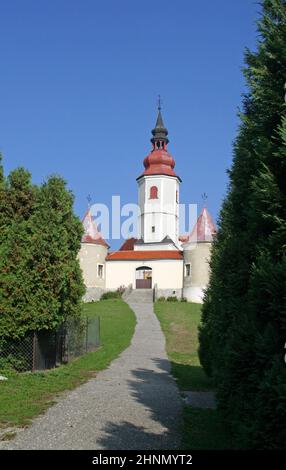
[90, 257]
[197, 255]
[161, 213]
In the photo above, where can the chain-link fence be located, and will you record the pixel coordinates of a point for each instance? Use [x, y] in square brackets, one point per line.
[46, 349]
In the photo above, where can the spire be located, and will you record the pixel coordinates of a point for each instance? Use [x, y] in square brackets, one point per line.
[204, 198]
[159, 161]
[205, 228]
[159, 139]
[91, 233]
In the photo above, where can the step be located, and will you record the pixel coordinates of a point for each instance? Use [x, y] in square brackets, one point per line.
[140, 296]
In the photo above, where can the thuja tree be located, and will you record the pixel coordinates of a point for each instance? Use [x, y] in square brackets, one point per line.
[243, 331]
[40, 277]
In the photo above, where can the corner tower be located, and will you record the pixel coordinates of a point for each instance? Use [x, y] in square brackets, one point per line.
[158, 191]
[197, 252]
[92, 257]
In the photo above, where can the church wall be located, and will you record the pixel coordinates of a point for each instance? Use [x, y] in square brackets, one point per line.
[93, 294]
[162, 212]
[90, 255]
[198, 256]
[167, 274]
[155, 246]
[169, 293]
[194, 294]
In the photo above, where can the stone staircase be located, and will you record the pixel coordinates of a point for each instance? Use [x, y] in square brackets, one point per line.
[139, 296]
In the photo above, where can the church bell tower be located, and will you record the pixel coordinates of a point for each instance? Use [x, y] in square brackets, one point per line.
[158, 191]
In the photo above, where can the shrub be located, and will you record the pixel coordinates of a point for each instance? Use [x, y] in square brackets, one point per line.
[183, 299]
[161, 299]
[40, 277]
[121, 290]
[111, 295]
[172, 299]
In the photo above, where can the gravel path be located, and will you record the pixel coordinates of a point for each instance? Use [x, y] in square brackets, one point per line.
[134, 404]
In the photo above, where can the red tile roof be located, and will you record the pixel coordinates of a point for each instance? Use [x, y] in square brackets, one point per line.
[129, 255]
[159, 162]
[97, 241]
[128, 245]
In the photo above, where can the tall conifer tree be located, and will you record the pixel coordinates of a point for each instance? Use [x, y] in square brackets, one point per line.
[243, 333]
[40, 278]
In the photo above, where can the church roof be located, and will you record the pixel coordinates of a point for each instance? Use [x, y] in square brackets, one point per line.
[91, 232]
[203, 231]
[159, 161]
[149, 255]
[166, 240]
[128, 245]
[159, 132]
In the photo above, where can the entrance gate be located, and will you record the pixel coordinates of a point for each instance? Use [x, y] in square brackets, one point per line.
[144, 278]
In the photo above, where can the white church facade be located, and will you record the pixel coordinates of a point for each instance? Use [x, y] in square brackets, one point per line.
[159, 258]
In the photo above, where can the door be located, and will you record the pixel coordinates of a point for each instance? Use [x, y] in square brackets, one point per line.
[144, 278]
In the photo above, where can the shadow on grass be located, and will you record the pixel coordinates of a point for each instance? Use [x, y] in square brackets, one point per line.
[191, 377]
[204, 430]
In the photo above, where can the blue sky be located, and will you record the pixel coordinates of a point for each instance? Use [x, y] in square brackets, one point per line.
[79, 82]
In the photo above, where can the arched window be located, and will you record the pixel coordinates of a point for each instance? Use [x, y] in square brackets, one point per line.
[154, 192]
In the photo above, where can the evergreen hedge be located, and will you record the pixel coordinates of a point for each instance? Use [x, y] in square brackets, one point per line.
[40, 277]
[243, 331]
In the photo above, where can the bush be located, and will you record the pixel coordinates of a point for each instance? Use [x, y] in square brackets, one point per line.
[40, 277]
[111, 295]
[161, 299]
[172, 299]
[121, 290]
[183, 299]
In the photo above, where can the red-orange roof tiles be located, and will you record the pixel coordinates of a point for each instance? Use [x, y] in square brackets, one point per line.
[144, 255]
[128, 244]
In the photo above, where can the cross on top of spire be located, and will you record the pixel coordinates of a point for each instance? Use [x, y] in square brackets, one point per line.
[205, 198]
[88, 197]
[159, 139]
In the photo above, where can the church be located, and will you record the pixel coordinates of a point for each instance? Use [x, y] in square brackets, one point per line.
[159, 259]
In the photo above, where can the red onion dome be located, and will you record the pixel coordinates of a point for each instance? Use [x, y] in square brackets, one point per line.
[159, 161]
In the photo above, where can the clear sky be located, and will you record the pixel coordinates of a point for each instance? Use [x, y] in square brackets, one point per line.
[79, 82]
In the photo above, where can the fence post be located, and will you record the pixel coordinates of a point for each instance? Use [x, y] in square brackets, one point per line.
[98, 329]
[34, 352]
[86, 334]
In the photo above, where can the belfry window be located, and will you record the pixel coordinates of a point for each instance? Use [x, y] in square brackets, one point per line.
[154, 192]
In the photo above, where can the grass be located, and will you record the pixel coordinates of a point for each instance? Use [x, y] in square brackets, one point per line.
[203, 428]
[179, 323]
[25, 395]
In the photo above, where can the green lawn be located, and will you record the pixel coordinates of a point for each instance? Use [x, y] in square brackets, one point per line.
[25, 395]
[203, 428]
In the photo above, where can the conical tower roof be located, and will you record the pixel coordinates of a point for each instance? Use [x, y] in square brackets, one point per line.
[205, 228]
[91, 232]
